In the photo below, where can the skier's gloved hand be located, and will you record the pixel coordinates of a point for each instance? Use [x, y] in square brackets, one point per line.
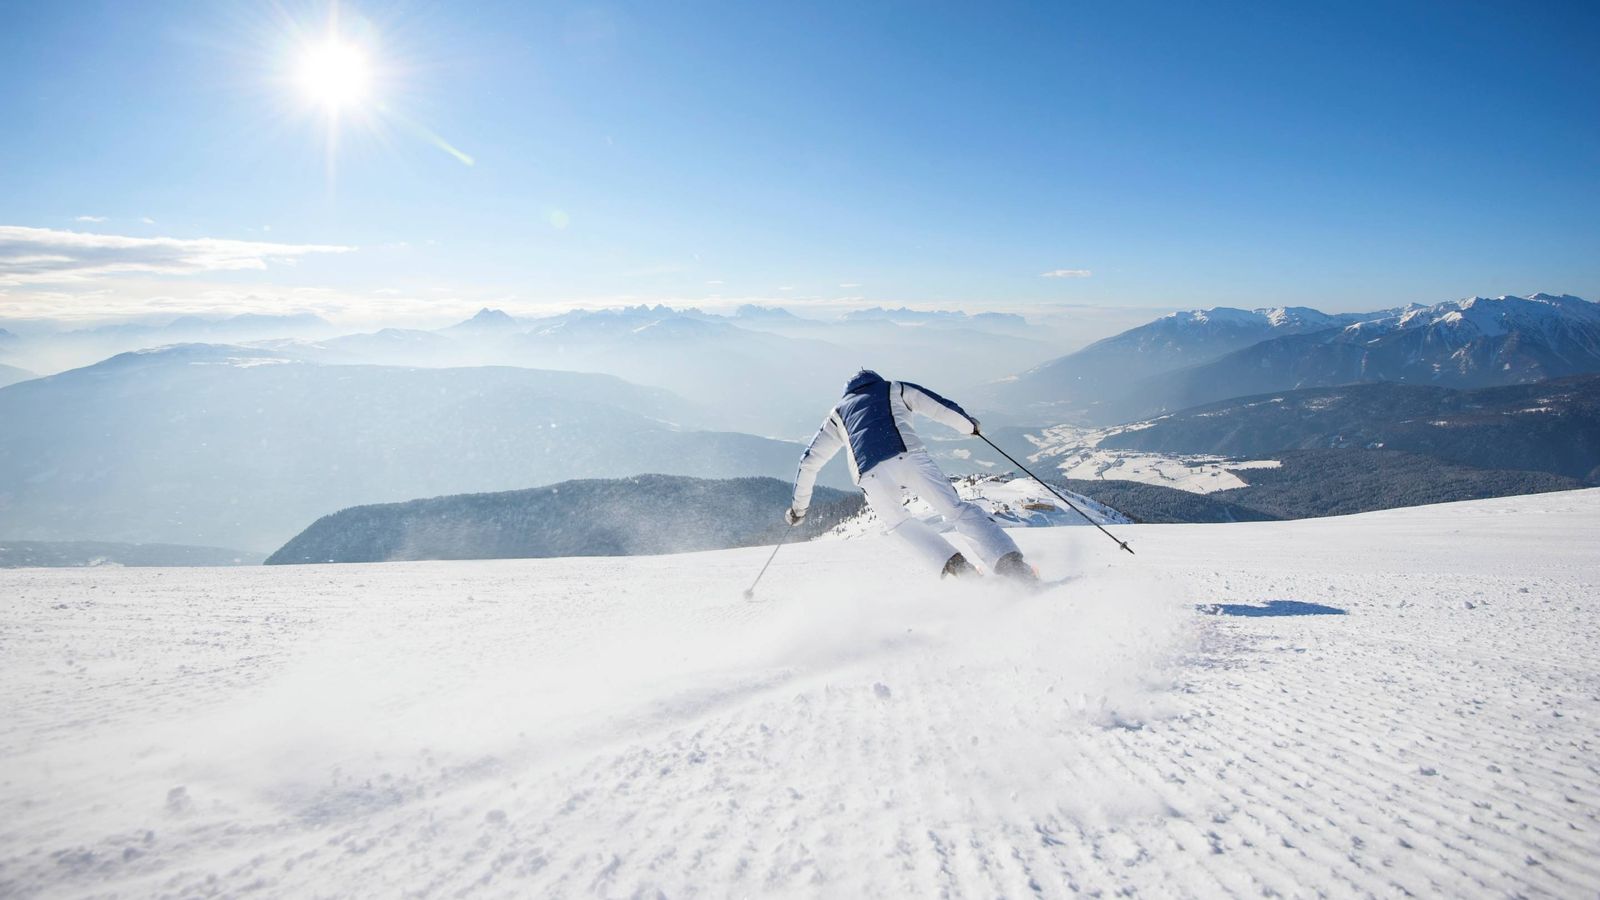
[794, 516]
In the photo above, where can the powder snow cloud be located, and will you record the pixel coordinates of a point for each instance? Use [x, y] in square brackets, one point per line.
[50, 256]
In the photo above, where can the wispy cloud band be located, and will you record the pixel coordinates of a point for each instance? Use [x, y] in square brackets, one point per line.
[51, 256]
[1066, 273]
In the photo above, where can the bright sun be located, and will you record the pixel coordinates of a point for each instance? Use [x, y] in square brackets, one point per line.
[334, 74]
[342, 80]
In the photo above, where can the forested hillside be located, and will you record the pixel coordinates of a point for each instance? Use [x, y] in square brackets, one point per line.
[593, 517]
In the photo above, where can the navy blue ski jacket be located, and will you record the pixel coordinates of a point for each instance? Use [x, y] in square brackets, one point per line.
[872, 423]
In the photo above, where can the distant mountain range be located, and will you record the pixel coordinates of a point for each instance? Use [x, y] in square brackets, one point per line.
[760, 370]
[763, 369]
[234, 446]
[618, 517]
[1109, 367]
[906, 316]
[750, 380]
[1549, 426]
[1186, 359]
[486, 321]
[69, 554]
[244, 326]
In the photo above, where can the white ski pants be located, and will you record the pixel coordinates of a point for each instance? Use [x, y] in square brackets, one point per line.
[916, 473]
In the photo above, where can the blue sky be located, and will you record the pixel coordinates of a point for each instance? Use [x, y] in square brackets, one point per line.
[1346, 156]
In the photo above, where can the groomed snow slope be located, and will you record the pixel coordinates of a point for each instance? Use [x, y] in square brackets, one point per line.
[621, 727]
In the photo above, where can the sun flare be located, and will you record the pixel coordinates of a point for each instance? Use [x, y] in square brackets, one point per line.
[334, 74]
[338, 78]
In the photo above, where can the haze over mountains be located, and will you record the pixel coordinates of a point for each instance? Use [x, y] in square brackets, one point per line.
[240, 447]
[766, 370]
[759, 369]
[13, 374]
[244, 444]
[48, 347]
[10, 374]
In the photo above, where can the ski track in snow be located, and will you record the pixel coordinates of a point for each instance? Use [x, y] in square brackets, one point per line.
[629, 727]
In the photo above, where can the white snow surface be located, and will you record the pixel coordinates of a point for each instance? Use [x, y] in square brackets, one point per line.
[1013, 500]
[632, 727]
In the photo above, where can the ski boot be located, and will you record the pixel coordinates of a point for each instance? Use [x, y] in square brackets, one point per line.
[1014, 567]
[958, 566]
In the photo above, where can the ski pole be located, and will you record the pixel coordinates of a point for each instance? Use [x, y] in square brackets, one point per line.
[1122, 544]
[750, 592]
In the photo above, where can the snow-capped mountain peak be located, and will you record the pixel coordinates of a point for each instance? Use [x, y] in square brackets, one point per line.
[1204, 355]
[487, 320]
[756, 311]
[1473, 317]
[1215, 315]
[1299, 318]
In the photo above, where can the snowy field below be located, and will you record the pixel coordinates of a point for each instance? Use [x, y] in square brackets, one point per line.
[1075, 452]
[1195, 474]
[1397, 702]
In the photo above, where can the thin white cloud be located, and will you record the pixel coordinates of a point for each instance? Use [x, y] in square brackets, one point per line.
[50, 256]
[1066, 273]
[147, 220]
[90, 219]
[851, 284]
[715, 281]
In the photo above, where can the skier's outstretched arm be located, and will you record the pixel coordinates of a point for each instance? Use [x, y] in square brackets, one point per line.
[924, 402]
[828, 441]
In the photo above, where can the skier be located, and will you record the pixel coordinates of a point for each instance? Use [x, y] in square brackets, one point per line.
[872, 424]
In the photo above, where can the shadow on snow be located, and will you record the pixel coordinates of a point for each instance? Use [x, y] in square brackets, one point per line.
[1271, 608]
